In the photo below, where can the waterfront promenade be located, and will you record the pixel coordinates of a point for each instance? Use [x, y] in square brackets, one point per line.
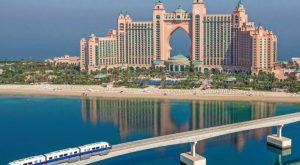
[192, 136]
[150, 92]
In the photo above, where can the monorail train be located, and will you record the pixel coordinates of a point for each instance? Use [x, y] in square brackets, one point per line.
[67, 155]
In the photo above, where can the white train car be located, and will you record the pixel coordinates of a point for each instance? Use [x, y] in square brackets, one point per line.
[67, 155]
[35, 160]
[100, 148]
[62, 156]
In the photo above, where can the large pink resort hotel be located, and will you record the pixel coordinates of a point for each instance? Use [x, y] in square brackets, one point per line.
[225, 42]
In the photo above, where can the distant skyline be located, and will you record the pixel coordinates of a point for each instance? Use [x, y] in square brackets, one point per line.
[45, 29]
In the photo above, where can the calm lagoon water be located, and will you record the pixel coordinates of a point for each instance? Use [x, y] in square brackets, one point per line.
[32, 125]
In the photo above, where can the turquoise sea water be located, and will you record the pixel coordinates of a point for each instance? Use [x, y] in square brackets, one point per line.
[32, 125]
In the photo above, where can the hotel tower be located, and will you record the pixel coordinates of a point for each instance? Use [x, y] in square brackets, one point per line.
[225, 42]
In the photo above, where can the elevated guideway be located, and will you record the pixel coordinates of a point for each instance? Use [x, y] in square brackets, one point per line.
[193, 137]
[292, 163]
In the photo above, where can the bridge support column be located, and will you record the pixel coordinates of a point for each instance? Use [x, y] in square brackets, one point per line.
[279, 131]
[192, 158]
[278, 140]
[193, 149]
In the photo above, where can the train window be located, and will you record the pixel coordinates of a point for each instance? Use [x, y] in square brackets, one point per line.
[50, 158]
[25, 164]
[65, 154]
[55, 157]
[61, 156]
[93, 148]
[97, 147]
[29, 163]
[75, 152]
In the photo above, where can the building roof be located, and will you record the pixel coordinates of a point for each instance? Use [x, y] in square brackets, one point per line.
[240, 3]
[230, 79]
[180, 10]
[179, 57]
[99, 76]
[92, 35]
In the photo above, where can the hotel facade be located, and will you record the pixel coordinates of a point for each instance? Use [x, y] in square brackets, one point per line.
[225, 42]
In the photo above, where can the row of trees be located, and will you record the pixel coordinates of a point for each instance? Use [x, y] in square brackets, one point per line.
[28, 72]
[262, 81]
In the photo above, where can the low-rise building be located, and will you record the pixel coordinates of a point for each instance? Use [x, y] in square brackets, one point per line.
[297, 74]
[283, 70]
[48, 71]
[66, 59]
[280, 73]
[296, 60]
[51, 77]
[284, 73]
[178, 63]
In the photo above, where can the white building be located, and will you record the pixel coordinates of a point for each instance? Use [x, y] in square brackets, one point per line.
[296, 60]
[66, 59]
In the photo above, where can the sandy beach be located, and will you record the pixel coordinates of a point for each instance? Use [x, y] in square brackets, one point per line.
[150, 92]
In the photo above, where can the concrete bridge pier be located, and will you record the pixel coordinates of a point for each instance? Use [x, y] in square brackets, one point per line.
[192, 158]
[278, 140]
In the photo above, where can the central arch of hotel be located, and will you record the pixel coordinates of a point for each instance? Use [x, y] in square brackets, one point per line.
[166, 23]
[170, 28]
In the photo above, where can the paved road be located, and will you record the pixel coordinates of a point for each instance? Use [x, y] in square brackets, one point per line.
[192, 136]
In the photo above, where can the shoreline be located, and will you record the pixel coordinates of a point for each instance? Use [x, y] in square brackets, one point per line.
[150, 92]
